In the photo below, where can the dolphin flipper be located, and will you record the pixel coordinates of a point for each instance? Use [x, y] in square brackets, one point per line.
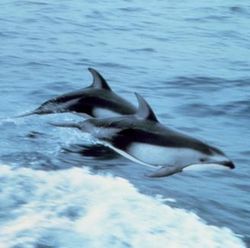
[165, 172]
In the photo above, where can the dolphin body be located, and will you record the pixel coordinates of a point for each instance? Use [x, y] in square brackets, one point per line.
[143, 139]
[97, 100]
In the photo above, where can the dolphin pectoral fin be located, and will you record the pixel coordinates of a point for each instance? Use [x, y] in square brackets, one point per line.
[126, 155]
[165, 172]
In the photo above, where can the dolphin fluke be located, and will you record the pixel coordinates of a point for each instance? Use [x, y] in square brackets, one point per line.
[24, 115]
[35, 112]
[66, 124]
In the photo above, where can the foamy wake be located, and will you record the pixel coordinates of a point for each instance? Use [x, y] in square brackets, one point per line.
[74, 209]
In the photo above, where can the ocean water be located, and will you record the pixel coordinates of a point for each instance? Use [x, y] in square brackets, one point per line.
[190, 60]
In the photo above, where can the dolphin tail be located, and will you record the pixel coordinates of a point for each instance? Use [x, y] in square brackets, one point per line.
[70, 125]
[165, 172]
[35, 112]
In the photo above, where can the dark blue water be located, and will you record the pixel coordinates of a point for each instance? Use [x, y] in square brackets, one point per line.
[189, 60]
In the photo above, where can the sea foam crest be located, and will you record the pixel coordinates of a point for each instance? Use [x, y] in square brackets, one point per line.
[73, 208]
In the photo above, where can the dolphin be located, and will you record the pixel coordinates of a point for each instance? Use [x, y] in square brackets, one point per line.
[144, 140]
[96, 100]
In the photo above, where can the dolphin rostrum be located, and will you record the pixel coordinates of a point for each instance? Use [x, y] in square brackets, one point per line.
[96, 100]
[143, 139]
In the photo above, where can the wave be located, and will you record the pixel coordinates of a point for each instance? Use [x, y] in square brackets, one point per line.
[73, 208]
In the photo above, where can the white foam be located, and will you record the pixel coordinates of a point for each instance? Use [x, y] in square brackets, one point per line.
[72, 209]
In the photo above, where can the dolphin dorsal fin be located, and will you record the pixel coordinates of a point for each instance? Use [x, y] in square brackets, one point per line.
[144, 110]
[98, 81]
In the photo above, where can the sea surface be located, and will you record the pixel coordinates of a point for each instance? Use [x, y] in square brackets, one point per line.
[189, 59]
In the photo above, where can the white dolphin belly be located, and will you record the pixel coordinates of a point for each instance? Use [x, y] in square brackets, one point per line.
[205, 167]
[161, 155]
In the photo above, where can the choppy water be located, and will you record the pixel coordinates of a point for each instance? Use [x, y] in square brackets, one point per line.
[189, 59]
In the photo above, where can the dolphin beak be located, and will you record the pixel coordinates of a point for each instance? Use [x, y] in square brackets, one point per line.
[228, 164]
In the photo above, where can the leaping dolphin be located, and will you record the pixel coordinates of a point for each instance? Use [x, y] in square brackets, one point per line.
[143, 139]
[96, 100]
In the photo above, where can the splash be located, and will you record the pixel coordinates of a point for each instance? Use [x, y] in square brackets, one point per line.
[73, 208]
